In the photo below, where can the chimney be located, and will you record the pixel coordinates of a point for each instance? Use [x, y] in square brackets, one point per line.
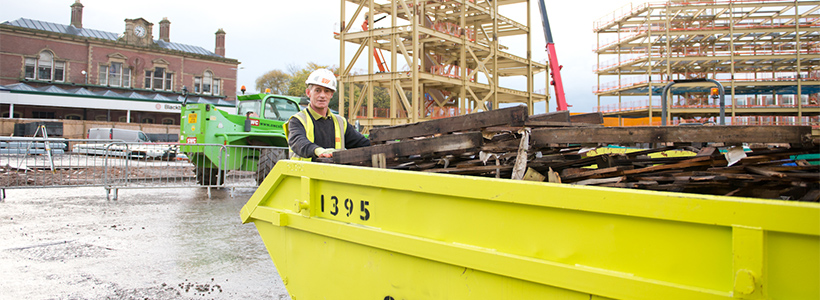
[77, 14]
[165, 30]
[220, 42]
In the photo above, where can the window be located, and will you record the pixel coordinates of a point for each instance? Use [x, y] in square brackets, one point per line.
[148, 120]
[206, 84]
[44, 65]
[115, 75]
[158, 79]
[168, 121]
[280, 109]
[6, 115]
[42, 114]
[248, 106]
[59, 71]
[31, 65]
[73, 117]
[123, 119]
[143, 137]
[197, 85]
[45, 68]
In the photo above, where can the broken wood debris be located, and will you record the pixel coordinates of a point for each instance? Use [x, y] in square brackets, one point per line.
[575, 149]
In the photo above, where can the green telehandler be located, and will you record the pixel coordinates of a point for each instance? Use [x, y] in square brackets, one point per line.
[257, 122]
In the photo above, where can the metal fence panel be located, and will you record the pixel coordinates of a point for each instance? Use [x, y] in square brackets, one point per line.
[38, 163]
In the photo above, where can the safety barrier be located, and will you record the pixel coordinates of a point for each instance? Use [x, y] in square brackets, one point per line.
[114, 165]
[48, 162]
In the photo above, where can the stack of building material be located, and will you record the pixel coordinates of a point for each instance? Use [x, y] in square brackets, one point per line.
[576, 149]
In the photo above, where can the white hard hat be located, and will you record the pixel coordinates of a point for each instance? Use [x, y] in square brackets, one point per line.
[322, 77]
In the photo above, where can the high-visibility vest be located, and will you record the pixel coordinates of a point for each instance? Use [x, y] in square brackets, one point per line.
[339, 126]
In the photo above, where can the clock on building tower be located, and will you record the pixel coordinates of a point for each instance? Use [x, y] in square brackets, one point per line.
[138, 32]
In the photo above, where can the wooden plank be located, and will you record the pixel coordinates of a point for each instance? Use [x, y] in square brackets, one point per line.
[531, 123]
[587, 118]
[812, 196]
[478, 169]
[558, 116]
[696, 161]
[379, 161]
[612, 171]
[597, 181]
[512, 116]
[662, 134]
[443, 144]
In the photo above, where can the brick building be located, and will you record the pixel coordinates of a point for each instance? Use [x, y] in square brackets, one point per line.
[57, 71]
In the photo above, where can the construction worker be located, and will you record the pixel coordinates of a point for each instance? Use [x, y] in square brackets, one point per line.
[315, 131]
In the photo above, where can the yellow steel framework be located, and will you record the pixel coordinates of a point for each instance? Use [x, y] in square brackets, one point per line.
[433, 58]
[766, 54]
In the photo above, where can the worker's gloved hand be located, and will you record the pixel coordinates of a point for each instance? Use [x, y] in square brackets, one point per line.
[324, 152]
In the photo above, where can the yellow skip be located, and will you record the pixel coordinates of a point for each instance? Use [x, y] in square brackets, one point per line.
[341, 232]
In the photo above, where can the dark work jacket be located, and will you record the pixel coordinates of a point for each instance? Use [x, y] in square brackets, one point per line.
[323, 134]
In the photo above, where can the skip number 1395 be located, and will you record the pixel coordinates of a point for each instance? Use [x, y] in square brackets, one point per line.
[335, 206]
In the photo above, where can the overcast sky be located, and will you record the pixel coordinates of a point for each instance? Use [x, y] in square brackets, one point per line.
[266, 35]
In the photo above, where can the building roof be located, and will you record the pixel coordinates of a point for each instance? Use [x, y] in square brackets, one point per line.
[99, 34]
[108, 94]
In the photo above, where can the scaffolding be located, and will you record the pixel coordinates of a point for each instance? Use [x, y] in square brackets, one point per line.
[766, 53]
[432, 59]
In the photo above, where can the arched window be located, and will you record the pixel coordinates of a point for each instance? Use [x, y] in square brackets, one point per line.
[206, 84]
[168, 121]
[44, 67]
[73, 117]
[148, 120]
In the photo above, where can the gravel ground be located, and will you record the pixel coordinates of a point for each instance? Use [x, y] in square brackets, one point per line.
[71, 243]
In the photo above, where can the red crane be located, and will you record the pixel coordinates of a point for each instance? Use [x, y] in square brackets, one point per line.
[377, 53]
[555, 68]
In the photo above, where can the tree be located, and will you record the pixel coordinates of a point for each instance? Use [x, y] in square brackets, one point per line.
[275, 80]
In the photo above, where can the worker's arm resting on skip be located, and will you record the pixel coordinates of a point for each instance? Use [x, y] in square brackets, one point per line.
[298, 142]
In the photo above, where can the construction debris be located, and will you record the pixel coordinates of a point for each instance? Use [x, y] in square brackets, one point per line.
[782, 163]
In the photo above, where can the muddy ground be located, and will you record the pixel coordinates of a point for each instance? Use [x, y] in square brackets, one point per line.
[72, 243]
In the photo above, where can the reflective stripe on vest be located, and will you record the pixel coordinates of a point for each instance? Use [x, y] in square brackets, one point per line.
[339, 126]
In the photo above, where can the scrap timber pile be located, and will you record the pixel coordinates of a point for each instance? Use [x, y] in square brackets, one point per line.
[559, 148]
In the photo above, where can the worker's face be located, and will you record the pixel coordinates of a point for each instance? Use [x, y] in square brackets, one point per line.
[319, 96]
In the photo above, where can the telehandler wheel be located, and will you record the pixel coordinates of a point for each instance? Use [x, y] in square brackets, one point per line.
[267, 159]
[209, 176]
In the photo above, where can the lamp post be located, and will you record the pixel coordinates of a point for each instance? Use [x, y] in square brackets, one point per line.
[86, 76]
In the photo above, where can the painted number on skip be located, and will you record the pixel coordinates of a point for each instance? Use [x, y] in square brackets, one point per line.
[346, 207]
